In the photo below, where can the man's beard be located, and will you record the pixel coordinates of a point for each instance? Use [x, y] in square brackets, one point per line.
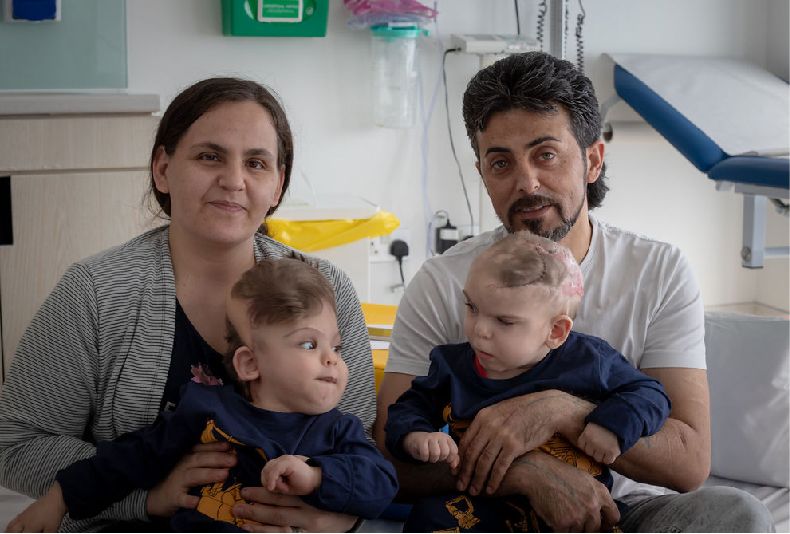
[534, 225]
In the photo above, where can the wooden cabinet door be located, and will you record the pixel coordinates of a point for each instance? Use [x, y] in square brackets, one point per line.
[57, 220]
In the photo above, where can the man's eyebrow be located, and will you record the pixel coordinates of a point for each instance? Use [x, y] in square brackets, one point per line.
[534, 142]
[222, 150]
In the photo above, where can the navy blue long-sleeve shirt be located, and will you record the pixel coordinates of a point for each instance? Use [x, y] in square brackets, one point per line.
[356, 479]
[629, 403]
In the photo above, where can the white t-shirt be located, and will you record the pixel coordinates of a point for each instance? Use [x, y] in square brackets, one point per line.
[640, 296]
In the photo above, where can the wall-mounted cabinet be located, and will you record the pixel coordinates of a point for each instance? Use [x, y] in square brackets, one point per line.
[77, 185]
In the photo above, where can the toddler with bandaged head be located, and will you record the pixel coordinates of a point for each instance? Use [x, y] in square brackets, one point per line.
[521, 295]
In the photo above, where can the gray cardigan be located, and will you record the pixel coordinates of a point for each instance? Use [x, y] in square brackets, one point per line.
[93, 363]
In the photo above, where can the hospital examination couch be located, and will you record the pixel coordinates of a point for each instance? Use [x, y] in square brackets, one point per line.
[730, 119]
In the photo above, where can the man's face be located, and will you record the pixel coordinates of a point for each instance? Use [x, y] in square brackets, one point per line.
[534, 171]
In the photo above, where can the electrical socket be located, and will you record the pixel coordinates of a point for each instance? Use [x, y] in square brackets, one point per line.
[380, 246]
[379, 249]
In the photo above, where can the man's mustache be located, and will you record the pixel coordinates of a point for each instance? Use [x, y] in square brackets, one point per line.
[529, 202]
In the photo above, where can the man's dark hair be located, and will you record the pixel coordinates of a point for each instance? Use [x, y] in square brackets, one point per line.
[537, 82]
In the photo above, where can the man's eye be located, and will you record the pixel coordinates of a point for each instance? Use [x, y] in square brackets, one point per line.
[499, 164]
[208, 156]
[548, 156]
[308, 345]
[257, 164]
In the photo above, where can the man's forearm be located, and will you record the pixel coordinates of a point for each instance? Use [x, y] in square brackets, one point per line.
[675, 457]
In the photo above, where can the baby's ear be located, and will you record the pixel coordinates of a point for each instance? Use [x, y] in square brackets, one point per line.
[245, 364]
[560, 329]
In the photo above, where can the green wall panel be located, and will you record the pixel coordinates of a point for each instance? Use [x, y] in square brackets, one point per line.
[86, 49]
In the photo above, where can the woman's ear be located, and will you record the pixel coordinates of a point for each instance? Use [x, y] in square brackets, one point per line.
[159, 169]
[560, 329]
[245, 364]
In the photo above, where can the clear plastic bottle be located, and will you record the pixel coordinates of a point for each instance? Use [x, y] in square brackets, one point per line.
[394, 75]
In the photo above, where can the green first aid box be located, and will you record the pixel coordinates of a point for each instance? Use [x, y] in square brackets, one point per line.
[275, 18]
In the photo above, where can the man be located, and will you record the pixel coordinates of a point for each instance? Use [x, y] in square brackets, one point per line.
[534, 125]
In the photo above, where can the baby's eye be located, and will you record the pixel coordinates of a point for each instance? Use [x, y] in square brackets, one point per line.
[471, 307]
[337, 348]
[504, 321]
[308, 345]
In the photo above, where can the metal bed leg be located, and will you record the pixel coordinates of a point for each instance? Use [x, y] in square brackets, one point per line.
[753, 251]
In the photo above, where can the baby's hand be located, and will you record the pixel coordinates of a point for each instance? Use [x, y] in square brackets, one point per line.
[599, 443]
[290, 475]
[44, 515]
[432, 447]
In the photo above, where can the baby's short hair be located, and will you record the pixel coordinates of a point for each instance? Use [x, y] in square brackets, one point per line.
[278, 290]
[523, 258]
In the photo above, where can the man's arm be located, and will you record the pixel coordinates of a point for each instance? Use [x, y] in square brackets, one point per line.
[678, 456]
[566, 497]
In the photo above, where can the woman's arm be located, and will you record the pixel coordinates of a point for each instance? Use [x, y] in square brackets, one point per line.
[51, 393]
[360, 396]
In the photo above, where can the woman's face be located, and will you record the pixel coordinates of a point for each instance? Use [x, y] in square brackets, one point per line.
[223, 175]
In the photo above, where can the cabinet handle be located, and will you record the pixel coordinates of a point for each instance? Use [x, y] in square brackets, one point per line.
[6, 228]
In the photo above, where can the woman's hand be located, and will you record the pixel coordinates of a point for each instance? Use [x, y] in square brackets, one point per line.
[270, 512]
[44, 515]
[206, 464]
[504, 431]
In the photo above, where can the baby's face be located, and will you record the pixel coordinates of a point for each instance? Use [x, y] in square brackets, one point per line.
[506, 326]
[301, 367]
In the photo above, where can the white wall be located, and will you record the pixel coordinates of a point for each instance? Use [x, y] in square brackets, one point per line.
[326, 86]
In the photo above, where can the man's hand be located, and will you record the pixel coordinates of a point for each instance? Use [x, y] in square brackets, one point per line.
[44, 515]
[599, 443]
[566, 497]
[272, 512]
[206, 464]
[432, 447]
[504, 431]
[290, 475]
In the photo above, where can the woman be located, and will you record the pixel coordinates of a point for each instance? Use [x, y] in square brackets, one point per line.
[125, 329]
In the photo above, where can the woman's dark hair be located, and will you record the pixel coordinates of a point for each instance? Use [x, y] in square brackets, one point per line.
[203, 96]
[538, 82]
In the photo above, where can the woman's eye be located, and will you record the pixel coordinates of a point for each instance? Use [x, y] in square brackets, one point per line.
[308, 345]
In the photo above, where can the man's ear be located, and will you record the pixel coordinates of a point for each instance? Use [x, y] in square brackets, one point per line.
[560, 329]
[245, 364]
[159, 169]
[594, 154]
